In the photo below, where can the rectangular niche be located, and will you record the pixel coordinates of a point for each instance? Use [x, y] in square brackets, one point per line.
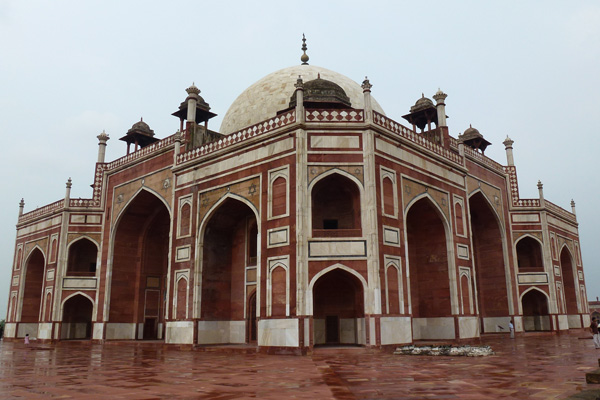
[462, 251]
[391, 236]
[278, 237]
[337, 248]
[182, 253]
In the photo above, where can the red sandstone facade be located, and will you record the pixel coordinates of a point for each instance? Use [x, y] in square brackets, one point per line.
[318, 225]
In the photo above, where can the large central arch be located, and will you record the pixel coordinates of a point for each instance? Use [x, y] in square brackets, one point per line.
[139, 270]
[228, 252]
[429, 257]
[488, 241]
[32, 293]
[569, 287]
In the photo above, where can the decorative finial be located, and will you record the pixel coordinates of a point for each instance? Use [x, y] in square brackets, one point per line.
[508, 142]
[192, 89]
[299, 83]
[141, 119]
[69, 183]
[540, 185]
[304, 57]
[366, 85]
[318, 75]
[22, 202]
[440, 96]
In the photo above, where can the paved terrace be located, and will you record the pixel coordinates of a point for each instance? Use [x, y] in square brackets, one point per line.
[533, 367]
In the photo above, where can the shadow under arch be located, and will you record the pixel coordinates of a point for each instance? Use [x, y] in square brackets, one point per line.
[569, 279]
[430, 258]
[335, 205]
[137, 269]
[32, 287]
[337, 296]
[227, 255]
[76, 316]
[535, 303]
[82, 256]
[491, 271]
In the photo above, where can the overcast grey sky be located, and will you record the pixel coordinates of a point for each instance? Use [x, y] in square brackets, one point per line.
[69, 69]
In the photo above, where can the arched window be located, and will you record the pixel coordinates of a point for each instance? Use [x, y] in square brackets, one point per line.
[279, 196]
[185, 213]
[82, 258]
[529, 255]
[336, 207]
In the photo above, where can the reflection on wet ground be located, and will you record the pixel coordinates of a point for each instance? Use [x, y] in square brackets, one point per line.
[533, 367]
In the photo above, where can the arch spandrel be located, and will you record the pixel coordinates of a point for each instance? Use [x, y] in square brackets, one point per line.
[537, 235]
[412, 189]
[249, 190]
[72, 237]
[159, 184]
[563, 241]
[355, 170]
[41, 243]
[491, 193]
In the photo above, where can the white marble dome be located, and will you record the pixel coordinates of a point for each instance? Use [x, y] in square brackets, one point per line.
[272, 93]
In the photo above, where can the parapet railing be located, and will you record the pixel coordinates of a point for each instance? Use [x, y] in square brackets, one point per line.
[408, 134]
[169, 140]
[323, 115]
[476, 156]
[240, 136]
[38, 212]
[553, 208]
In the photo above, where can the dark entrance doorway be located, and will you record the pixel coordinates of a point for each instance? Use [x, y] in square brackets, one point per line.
[338, 308]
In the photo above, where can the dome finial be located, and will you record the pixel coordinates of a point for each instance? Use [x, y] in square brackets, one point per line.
[304, 57]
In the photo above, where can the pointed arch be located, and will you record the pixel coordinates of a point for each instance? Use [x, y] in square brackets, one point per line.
[492, 209]
[450, 258]
[535, 303]
[76, 315]
[32, 282]
[310, 300]
[153, 192]
[81, 258]
[570, 280]
[530, 254]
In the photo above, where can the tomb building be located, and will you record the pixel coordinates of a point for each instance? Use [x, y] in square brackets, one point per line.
[310, 217]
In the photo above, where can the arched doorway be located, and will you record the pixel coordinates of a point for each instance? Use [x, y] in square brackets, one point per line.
[251, 323]
[77, 318]
[139, 271]
[335, 202]
[32, 294]
[535, 311]
[229, 272]
[489, 264]
[428, 265]
[569, 287]
[338, 309]
[82, 258]
[529, 255]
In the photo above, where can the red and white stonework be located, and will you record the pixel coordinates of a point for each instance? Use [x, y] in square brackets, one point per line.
[297, 226]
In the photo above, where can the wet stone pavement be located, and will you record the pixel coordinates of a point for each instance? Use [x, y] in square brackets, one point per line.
[532, 367]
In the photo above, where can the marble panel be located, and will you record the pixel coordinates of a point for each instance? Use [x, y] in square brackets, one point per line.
[433, 328]
[93, 219]
[278, 236]
[574, 321]
[532, 277]
[98, 331]
[39, 226]
[45, 330]
[50, 274]
[526, 217]
[567, 227]
[219, 332]
[25, 328]
[495, 324]
[536, 323]
[395, 330]
[237, 160]
[278, 332]
[79, 283]
[337, 248]
[418, 161]
[237, 332]
[15, 280]
[179, 332]
[347, 330]
[334, 142]
[462, 250]
[115, 331]
[10, 329]
[468, 327]
[586, 320]
[319, 330]
[182, 253]
[361, 332]
[391, 236]
[77, 219]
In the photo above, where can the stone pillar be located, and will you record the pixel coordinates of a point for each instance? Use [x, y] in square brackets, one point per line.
[102, 139]
[541, 191]
[299, 100]
[508, 142]
[366, 86]
[177, 150]
[192, 101]
[68, 193]
[572, 207]
[439, 98]
[22, 205]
